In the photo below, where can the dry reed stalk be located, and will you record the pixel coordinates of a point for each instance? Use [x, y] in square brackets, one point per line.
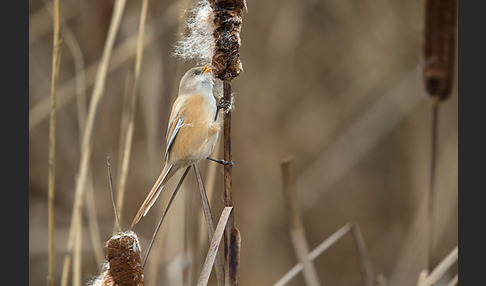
[366, 269]
[88, 133]
[39, 22]
[210, 226]
[426, 279]
[297, 231]
[56, 59]
[365, 262]
[439, 59]
[73, 46]
[121, 54]
[124, 149]
[210, 182]
[164, 214]
[77, 266]
[112, 192]
[323, 246]
[132, 107]
[454, 281]
[213, 247]
[94, 229]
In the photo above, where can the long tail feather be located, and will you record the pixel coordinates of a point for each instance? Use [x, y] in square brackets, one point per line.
[153, 194]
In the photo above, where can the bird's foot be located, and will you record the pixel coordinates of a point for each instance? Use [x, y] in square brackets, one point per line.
[222, 161]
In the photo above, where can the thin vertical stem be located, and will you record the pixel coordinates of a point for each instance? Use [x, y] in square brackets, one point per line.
[231, 235]
[56, 56]
[297, 231]
[228, 200]
[431, 194]
[365, 262]
[210, 226]
[131, 114]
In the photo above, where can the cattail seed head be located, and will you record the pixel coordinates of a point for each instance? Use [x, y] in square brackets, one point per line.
[212, 35]
[439, 46]
[123, 266]
[227, 20]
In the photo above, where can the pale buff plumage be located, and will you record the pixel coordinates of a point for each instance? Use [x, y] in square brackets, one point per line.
[192, 130]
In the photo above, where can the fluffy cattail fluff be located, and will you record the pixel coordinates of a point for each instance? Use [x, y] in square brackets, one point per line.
[123, 266]
[212, 35]
[197, 42]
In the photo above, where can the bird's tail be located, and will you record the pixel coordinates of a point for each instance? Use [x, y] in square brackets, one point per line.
[154, 193]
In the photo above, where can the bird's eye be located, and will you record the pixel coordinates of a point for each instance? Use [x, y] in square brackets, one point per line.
[197, 72]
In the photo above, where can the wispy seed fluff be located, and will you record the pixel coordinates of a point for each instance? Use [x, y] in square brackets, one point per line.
[197, 38]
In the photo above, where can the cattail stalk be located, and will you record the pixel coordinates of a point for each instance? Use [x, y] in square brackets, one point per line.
[231, 234]
[439, 46]
[226, 65]
[56, 59]
[439, 57]
[297, 231]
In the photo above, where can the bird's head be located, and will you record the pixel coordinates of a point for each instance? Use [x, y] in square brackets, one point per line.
[197, 80]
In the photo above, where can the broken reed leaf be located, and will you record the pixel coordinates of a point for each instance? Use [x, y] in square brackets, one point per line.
[439, 46]
[123, 265]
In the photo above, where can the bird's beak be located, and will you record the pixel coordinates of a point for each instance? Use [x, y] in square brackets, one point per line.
[206, 68]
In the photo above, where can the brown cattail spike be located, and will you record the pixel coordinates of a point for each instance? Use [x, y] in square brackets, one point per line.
[226, 62]
[123, 256]
[439, 46]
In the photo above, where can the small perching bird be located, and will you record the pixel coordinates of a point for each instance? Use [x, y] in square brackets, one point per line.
[192, 131]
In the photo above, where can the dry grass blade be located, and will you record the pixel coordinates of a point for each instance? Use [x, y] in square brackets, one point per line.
[112, 191]
[440, 270]
[88, 133]
[213, 247]
[94, 229]
[297, 232]
[56, 59]
[77, 266]
[39, 22]
[209, 222]
[323, 246]
[80, 82]
[131, 114]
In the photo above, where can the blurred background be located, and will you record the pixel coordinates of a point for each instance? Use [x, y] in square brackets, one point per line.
[334, 84]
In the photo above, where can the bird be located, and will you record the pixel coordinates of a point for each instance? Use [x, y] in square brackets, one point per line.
[192, 131]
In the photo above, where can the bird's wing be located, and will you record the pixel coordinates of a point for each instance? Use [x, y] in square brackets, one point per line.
[174, 127]
[153, 194]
